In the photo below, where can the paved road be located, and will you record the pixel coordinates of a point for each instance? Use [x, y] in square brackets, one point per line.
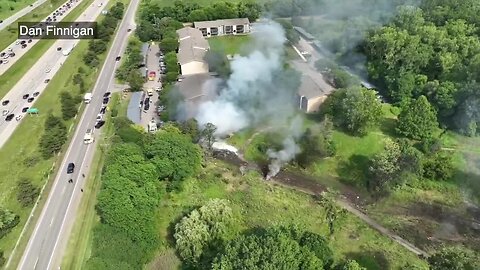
[34, 80]
[152, 65]
[49, 239]
[6, 22]
[17, 48]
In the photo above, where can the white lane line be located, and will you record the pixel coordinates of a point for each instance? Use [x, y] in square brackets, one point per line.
[36, 262]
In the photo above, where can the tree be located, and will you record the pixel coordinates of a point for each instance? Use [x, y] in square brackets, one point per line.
[2, 259]
[54, 136]
[201, 228]
[439, 166]
[174, 155]
[197, 15]
[352, 265]
[384, 167]
[135, 80]
[171, 76]
[316, 144]
[454, 258]
[417, 120]
[69, 105]
[27, 193]
[356, 109]
[190, 127]
[8, 220]
[224, 10]
[208, 134]
[169, 44]
[273, 248]
[319, 246]
[333, 212]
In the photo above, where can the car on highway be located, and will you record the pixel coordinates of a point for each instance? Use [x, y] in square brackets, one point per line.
[30, 100]
[103, 110]
[46, 81]
[36, 94]
[2, 54]
[17, 42]
[107, 94]
[25, 109]
[5, 112]
[5, 61]
[129, 29]
[99, 124]
[1, 62]
[5, 102]
[9, 117]
[118, 58]
[99, 117]
[59, 48]
[19, 117]
[12, 54]
[105, 100]
[48, 70]
[70, 168]
[24, 46]
[29, 41]
[25, 96]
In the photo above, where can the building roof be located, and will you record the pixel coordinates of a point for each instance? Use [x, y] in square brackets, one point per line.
[309, 88]
[191, 86]
[192, 45]
[218, 23]
[304, 33]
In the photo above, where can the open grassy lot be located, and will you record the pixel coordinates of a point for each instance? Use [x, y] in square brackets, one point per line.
[9, 7]
[264, 204]
[229, 44]
[17, 70]
[9, 34]
[20, 157]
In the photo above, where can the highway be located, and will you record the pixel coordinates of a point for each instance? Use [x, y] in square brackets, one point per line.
[48, 241]
[6, 22]
[16, 47]
[33, 81]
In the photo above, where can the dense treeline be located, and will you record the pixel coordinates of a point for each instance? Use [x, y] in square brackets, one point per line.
[207, 239]
[137, 170]
[129, 70]
[432, 51]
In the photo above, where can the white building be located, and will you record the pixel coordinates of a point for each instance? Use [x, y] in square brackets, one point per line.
[223, 27]
[191, 51]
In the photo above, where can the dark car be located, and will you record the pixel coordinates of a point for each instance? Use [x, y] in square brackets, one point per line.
[129, 29]
[99, 124]
[12, 54]
[1, 62]
[24, 46]
[23, 42]
[25, 109]
[105, 100]
[118, 58]
[36, 94]
[30, 100]
[46, 81]
[70, 168]
[29, 41]
[5, 102]
[103, 109]
[107, 94]
[59, 48]
[2, 54]
[147, 107]
[9, 117]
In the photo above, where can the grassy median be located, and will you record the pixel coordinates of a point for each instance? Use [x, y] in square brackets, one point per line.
[17, 70]
[20, 156]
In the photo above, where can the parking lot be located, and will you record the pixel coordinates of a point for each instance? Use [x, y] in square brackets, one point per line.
[151, 87]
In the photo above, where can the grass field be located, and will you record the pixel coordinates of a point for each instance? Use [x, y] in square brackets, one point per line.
[229, 44]
[17, 70]
[20, 157]
[8, 7]
[9, 34]
[78, 249]
[261, 203]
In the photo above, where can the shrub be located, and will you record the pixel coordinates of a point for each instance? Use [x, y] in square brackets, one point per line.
[27, 193]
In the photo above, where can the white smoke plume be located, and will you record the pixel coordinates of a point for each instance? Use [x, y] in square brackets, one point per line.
[288, 152]
[258, 89]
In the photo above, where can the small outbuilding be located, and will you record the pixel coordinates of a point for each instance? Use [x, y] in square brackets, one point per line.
[310, 95]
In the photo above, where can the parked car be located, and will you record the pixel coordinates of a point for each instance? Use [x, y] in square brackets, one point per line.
[103, 110]
[59, 48]
[118, 58]
[107, 94]
[70, 168]
[105, 100]
[99, 124]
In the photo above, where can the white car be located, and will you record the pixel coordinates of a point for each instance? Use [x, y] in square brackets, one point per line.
[99, 117]
[17, 42]
[48, 70]
[5, 61]
[158, 88]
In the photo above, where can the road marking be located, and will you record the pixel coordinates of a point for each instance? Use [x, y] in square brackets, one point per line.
[63, 191]
[51, 222]
[36, 262]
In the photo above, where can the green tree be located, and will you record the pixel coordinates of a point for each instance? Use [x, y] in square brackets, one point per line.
[54, 136]
[201, 228]
[3, 260]
[224, 10]
[135, 80]
[454, 258]
[190, 127]
[8, 220]
[69, 105]
[418, 120]
[197, 15]
[439, 166]
[27, 192]
[169, 44]
[174, 155]
[333, 212]
[207, 134]
[352, 265]
[356, 109]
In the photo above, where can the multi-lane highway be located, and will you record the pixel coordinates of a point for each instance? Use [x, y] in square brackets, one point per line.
[6, 22]
[47, 243]
[34, 80]
[16, 46]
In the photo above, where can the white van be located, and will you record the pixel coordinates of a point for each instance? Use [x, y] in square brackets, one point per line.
[88, 137]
